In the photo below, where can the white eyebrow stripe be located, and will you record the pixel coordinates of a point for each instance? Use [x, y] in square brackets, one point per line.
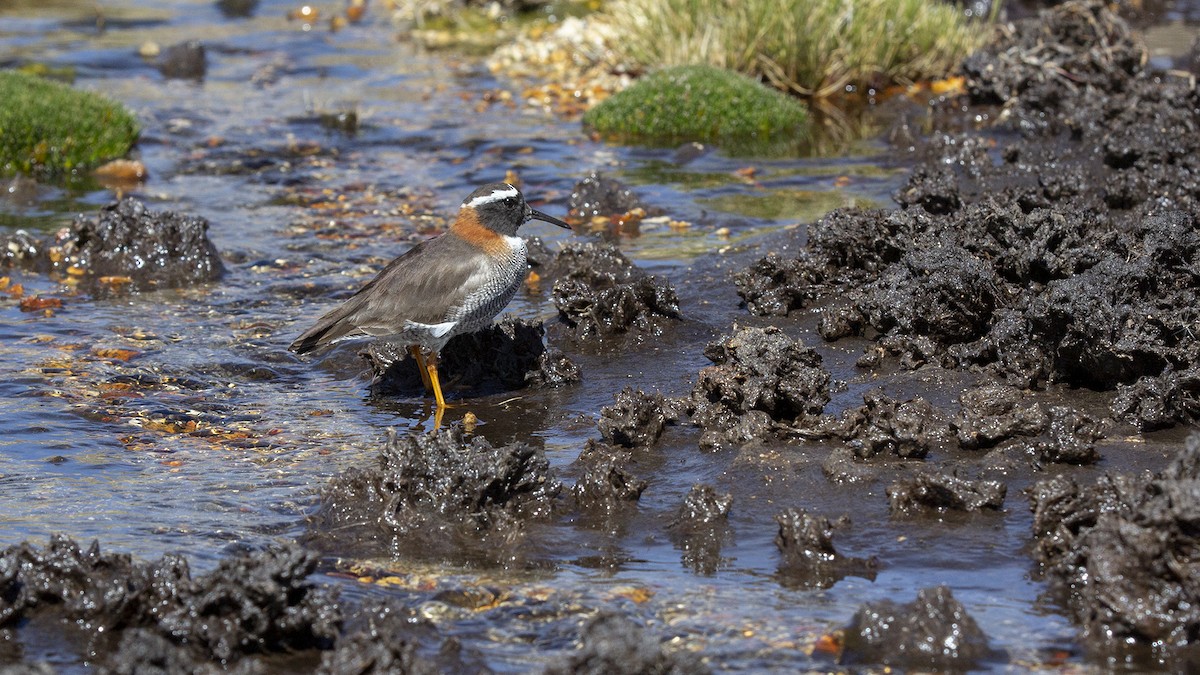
[496, 196]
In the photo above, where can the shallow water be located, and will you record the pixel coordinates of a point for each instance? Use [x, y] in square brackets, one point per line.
[97, 447]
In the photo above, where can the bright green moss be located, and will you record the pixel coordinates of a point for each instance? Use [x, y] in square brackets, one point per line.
[51, 131]
[700, 103]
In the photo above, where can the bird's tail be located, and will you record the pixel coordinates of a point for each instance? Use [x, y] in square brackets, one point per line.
[329, 329]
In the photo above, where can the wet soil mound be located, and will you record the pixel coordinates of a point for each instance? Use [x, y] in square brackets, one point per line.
[932, 632]
[885, 427]
[600, 294]
[945, 492]
[598, 195]
[995, 416]
[508, 355]
[807, 556]
[635, 419]
[125, 244]
[439, 496]
[1122, 553]
[701, 528]
[1064, 252]
[607, 490]
[612, 644]
[1078, 45]
[129, 615]
[382, 638]
[762, 381]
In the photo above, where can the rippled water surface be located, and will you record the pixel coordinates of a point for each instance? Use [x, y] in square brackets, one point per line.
[96, 447]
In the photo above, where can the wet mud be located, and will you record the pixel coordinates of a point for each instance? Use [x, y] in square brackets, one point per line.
[934, 631]
[122, 246]
[507, 356]
[603, 297]
[131, 615]
[1063, 251]
[440, 496]
[1120, 553]
[807, 556]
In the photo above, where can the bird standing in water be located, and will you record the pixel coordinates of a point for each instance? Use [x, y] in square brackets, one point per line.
[452, 284]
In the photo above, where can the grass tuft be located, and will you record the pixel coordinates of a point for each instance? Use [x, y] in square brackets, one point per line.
[699, 103]
[812, 47]
[50, 131]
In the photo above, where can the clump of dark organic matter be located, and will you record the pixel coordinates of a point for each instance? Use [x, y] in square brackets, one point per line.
[508, 355]
[125, 245]
[1076, 46]
[253, 604]
[934, 632]
[761, 380]
[995, 416]
[612, 643]
[635, 419]
[607, 491]
[598, 195]
[599, 294]
[382, 638]
[701, 528]
[438, 496]
[184, 61]
[807, 556]
[1121, 553]
[1157, 401]
[945, 492]
[942, 292]
[1064, 251]
[884, 426]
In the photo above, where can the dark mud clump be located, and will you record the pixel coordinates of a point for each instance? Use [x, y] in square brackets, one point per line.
[600, 294]
[509, 355]
[1063, 250]
[1122, 553]
[884, 426]
[253, 604]
[612, 644]
[701, 528]
[184, 61]
[995, 416]
[125, 244]
[934, 632]
[807, 556]
[1080, 45]
[761, 381]
[597, 195]
[385, 639]
[635, 419]
[945, 492]
[1156, 401]
[607, 490]
[941, 292]
[438, 496]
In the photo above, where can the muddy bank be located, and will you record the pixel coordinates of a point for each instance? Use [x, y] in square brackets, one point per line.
[1121, 554]
[125, 245]
[1064, 252]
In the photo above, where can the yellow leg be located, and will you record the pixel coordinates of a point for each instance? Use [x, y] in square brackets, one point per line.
[431, 365]
[421, 367]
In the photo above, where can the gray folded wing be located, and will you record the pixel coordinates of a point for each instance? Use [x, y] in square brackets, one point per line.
[424, 285]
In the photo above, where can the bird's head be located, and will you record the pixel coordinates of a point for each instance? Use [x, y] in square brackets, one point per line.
[501, 208]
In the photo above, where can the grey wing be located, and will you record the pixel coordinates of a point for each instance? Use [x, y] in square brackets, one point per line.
[423, 285]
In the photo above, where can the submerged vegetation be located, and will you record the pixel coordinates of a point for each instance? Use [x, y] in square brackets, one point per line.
[700, 103]
[811, 47]
[49, 130]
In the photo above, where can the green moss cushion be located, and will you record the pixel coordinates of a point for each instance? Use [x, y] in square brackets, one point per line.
[49, 130]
